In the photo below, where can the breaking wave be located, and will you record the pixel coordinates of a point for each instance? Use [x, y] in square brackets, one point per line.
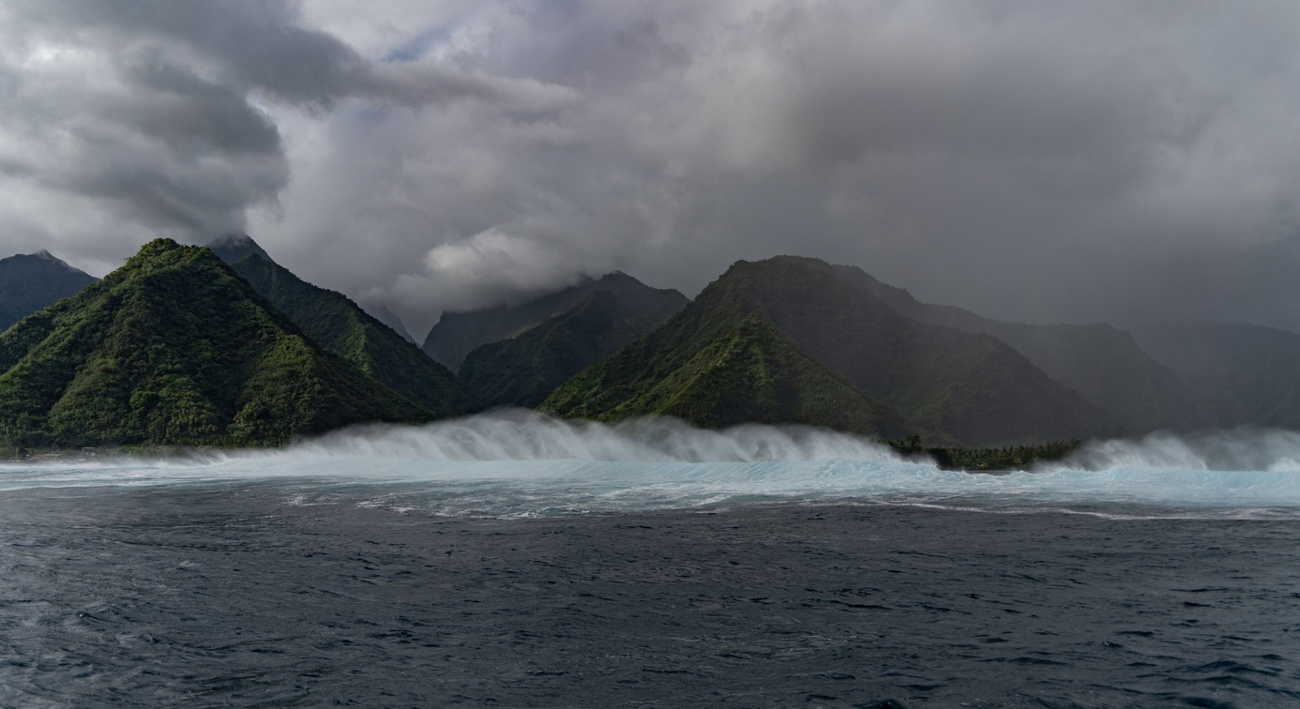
[1241, 449]
[517, 462]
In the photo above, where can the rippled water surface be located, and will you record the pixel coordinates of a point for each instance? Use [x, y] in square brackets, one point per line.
[514, 563]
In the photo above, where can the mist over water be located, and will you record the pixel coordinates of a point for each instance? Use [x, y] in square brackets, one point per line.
[1241, 449]
[518, 463]
[524, 436]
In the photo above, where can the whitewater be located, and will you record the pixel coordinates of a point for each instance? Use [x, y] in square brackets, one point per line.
[510, 559]
[520, 463]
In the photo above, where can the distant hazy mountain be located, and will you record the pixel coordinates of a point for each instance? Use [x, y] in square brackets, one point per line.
[342, 327]
[29, 282]
[950, 385]
[381, 313]
[174, 348]
[457, 334]
[1100, 362]
[522, 371]
[1249, 373]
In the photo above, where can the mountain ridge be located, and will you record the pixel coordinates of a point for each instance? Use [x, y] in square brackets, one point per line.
[524, 370]
[175, 348]
[938, 380]
[455, 335]
[30, 282]
[341, 326]
[1250, 373]
[1104, 364]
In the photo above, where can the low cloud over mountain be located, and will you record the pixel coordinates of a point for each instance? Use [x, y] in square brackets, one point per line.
[1026, 160]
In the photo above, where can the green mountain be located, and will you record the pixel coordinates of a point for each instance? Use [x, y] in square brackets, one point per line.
[524, 370]
[457, 334]
[174, 348]
[749, 373]
[1102, 363]
[340, 326]
[951, 386]
[29, 282]
[1250, 374]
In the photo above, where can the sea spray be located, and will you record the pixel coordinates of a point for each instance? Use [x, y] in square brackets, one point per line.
[519, 463]
[1231, 450]
[523, 435]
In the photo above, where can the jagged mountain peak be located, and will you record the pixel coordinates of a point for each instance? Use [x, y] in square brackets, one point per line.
[235, 246]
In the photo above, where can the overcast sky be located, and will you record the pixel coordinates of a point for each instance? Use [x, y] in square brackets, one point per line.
[1041, 161]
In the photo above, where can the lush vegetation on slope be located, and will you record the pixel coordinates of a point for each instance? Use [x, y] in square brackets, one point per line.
[458, 334]
[753, 374]
[973, 387]
[952, 387]
[717, 368]
[524, 370]
[340, 326]
[997, 458]
[29, 282]
[174, 348]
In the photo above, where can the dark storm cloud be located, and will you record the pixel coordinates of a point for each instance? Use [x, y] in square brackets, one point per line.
[1031, 160]
[248, 44]
[155, 117]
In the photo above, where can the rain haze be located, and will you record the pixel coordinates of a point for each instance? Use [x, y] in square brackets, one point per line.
[1033, 161]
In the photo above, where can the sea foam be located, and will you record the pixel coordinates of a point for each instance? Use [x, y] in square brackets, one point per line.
[519, 462]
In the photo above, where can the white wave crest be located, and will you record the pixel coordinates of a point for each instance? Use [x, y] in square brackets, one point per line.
[1234, 450]
[518, 435]
[520, 462]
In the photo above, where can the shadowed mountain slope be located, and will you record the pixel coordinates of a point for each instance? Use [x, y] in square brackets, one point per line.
[457, 334]
[748, 373]
[381, 313]
[174, 348]
[949, 385]
[1102, 363]
[29, 282]
[524, 370]
[1249, 373]
[340, 326]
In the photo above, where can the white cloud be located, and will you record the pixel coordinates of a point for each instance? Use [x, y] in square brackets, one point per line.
[1031, 160]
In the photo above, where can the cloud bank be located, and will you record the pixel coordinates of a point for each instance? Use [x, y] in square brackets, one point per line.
[1032, 161]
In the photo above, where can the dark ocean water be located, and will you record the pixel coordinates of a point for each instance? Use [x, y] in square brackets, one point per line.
[260, 583]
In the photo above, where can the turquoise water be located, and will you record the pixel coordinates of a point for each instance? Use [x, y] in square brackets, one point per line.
[515, 464]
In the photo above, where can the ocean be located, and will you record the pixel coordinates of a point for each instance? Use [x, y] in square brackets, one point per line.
[514, 561]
